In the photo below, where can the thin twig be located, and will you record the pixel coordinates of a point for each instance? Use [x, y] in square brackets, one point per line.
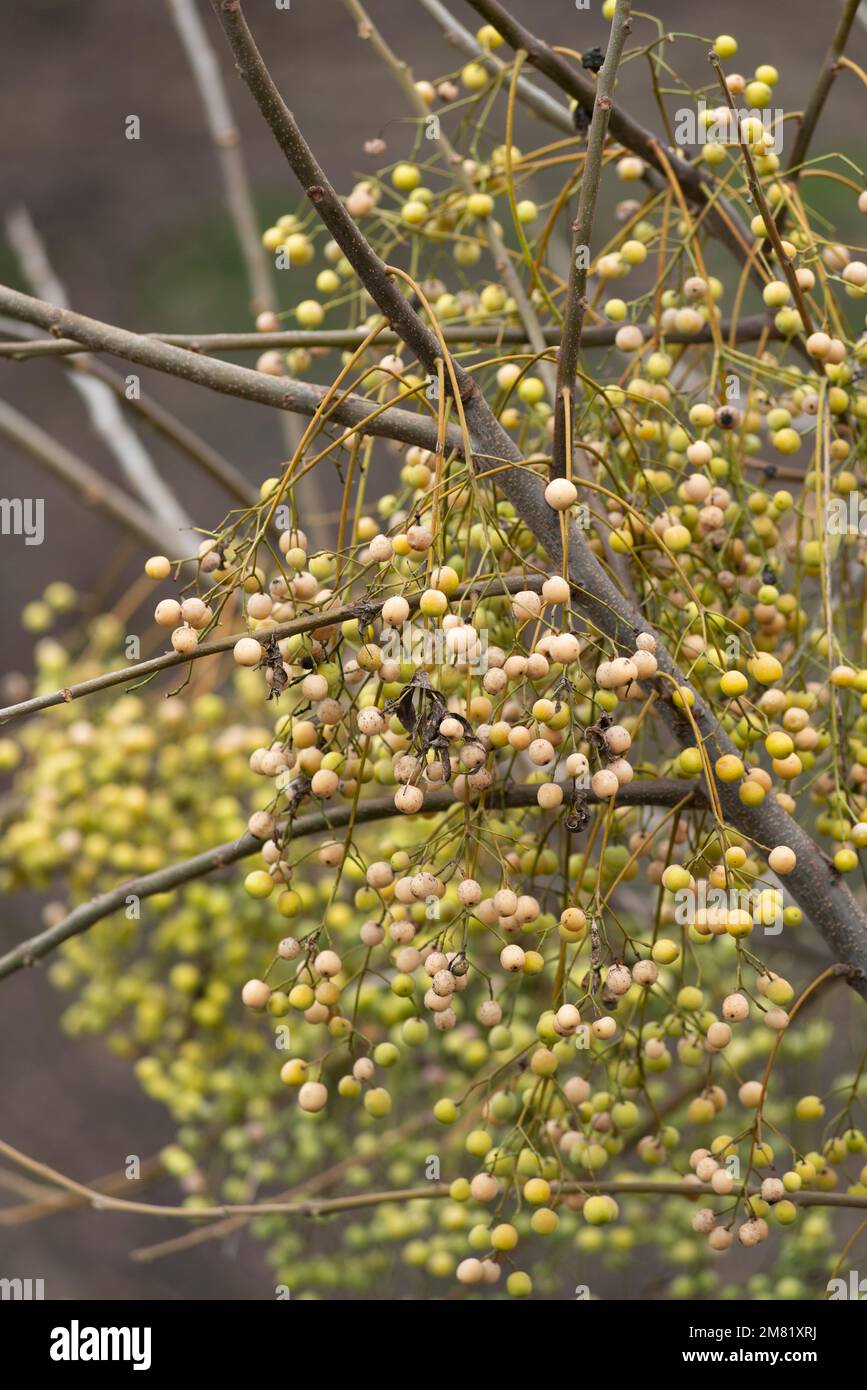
[158, 417]
[54, 1202]
[239, 200]
[219, 1230]
[746, 330]
[227, 142]
[357, 1200]
[177, 432]
[323, 618]
[281, 393]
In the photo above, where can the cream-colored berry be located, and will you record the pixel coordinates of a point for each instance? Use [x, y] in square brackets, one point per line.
[512, 958]
[255, 994]
[782, 859]
[167, 613]
[247, 651]
[313, 1096]
[561, 494]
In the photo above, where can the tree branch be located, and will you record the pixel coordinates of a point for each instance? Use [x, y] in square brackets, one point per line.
[313, 1207]
[814, 883]
[50, 1203]
[370, 269]
[821, 91]
[325, 617]
[576, 302]
[745, 330]
[667, 792]
[154, 414]
[281, 393]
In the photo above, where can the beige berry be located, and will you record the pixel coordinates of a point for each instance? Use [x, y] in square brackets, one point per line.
[247, 651]
[312, 1096]
[168, 613]
[782, 859]
[512, 958]
[158, 567]
[555, 590]
[720, 1238]
[605, 784]
[718, 1035]
[262, 825]
[561, 494]
[255, 994]
[327, 963]
[568, 1017]
[735, 1008]
[409, 799]
[185, 640]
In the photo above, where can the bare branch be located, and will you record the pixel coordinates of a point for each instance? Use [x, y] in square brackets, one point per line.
[746, 330]
[355, 1201]
[178, 433]
[316, 1182]
[649, 793]
[576, 302]
[154, 414]
[821, 91]
[51, 1202]
[239, 200]
[282, 393]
